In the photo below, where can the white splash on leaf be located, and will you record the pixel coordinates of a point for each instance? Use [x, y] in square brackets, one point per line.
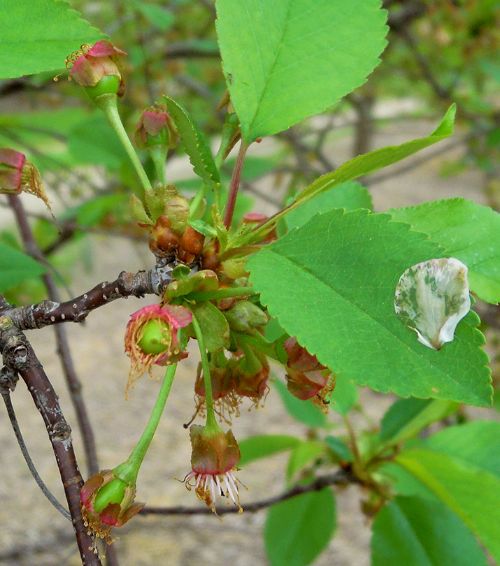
[432, 297]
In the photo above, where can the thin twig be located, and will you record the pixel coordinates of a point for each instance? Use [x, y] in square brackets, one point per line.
[126, 285]
[27, 458]
[341, 477]
[234, 185]
[68, 367]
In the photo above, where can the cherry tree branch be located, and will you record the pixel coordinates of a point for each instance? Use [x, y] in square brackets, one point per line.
[340, 477]
[19, 357]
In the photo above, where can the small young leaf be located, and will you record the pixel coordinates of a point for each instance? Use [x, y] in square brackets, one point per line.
[213, 325]
[16, 267]
[302, 455]
[344, 396]
[38, 36]
[256, 447]
[432, 297]
[412, 530]
[407, 417]
[304, 411]
[286, 60]
[370, 162]
[299, 529]
[195, 145]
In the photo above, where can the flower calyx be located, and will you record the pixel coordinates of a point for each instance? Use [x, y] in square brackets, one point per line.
[214, 457]
[97, 69]
[153, 337]
[107, 501]
[306, 377]
[18, 175]
[156, 128]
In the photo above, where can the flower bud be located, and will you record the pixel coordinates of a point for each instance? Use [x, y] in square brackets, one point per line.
[12, 164]
[214, 458]
[153, 338]
[107, 501]
[246, 317]
[256, 219]
[155, 128]
[163, 241]
[192, 241]
[96, 69]
[306, 377]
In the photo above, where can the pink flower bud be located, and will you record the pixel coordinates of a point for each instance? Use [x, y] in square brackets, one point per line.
[155, 127]
[91, 65]
[11, 171]
[153, 338]
[214, 458]
[107, 502]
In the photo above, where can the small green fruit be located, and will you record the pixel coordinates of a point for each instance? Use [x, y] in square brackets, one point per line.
[155, 337]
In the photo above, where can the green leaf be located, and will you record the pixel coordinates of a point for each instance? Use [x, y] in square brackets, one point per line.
[38, 36]
[472, 493]
[94, 142]
[466, 230]
[302, 455]
[156, 15]
[407, 417]
[304, 411]
[370, 162]
[331, 285]
[213, 325]
[16, 267]
[344, 396]
[349, 195]
[195, 144]
[418, 532]
[339, 448]
[261, 446]
[299, 529]
[477, 443]
[289, 59]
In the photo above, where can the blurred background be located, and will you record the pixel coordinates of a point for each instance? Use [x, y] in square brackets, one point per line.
[439, 52]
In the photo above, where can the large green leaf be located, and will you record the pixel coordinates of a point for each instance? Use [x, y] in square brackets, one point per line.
[38, 36]
[16, 267]
[349, 195]
[298, 529]
[286, 60]
[468, 490]
[418, 532]
[468, 231]
[370, 162]
[261, 446]
[331, 284]
[477, 443]
[303, 455]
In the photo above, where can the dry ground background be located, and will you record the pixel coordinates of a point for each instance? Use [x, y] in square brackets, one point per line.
[32, 533]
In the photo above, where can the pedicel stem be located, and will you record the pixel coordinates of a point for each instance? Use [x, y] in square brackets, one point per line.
[107, 103]
[129, 470]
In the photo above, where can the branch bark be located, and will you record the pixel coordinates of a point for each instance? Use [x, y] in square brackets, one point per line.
[19, 356]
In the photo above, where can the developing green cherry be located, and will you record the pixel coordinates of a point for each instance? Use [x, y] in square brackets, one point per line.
[156, 337]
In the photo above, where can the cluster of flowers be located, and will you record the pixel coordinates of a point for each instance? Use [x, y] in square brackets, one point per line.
[157, 335]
